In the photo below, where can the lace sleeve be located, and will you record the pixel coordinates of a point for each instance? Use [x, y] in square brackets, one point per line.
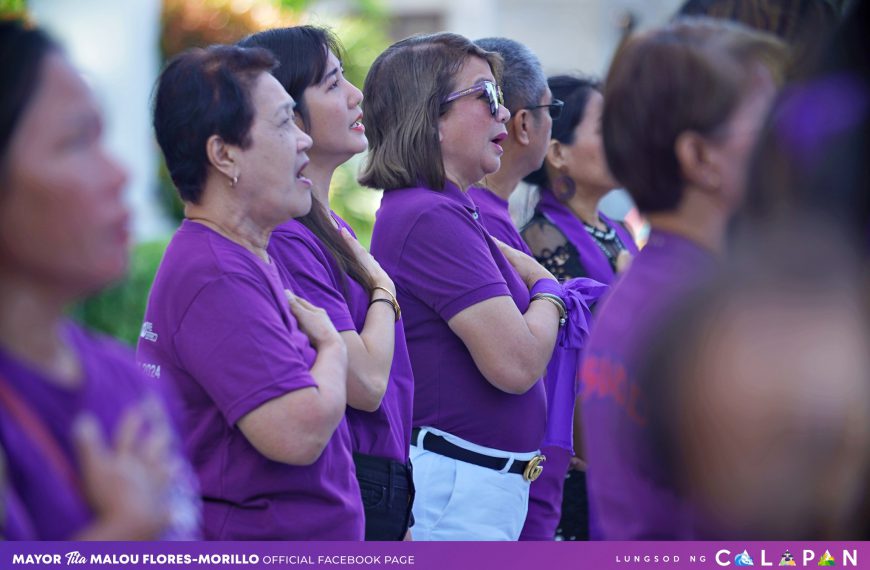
[552, 249]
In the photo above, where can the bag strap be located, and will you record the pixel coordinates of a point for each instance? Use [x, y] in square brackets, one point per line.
[23, 414]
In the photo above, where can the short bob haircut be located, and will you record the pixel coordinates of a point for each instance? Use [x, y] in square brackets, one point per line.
[687, 76]
[302, 57]
[205, 92]
[402, 104]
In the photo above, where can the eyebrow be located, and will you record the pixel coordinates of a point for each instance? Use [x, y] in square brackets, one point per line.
[330, 74]
[288, 107]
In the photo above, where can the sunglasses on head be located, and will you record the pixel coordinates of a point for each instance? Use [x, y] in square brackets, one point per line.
[554, 107]
[490, 90]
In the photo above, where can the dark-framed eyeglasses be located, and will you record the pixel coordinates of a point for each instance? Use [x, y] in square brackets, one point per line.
[489, 89]
[555, 107]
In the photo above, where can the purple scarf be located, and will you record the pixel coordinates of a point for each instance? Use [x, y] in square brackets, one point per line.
[561, 380]
[591, 257]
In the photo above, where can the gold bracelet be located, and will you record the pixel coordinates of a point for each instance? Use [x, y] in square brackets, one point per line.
[396, 310]
[560, 305]
[388, 292]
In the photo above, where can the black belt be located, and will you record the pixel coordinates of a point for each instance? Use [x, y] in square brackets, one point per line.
[437, 444]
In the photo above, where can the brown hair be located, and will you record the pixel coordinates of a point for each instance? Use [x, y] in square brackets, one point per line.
[805, 25]
[402, 104]
[687, 76]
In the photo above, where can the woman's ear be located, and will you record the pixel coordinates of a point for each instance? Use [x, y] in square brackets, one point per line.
[695, 158]
[222, 156]
[556, 155]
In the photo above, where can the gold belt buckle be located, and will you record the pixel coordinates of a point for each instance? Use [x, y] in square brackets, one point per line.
[534, 469]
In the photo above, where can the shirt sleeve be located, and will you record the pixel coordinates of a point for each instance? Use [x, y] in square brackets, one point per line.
[447, 263]
[234, 341]
[314, 277]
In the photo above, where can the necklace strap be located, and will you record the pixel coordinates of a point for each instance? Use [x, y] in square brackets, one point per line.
[24, 415]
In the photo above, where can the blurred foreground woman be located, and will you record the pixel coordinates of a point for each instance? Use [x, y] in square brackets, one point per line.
[90, 453]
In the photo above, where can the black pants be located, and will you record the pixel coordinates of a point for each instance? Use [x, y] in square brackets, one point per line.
[387, 489]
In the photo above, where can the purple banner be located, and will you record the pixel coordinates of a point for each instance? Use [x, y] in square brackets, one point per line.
[432, 555]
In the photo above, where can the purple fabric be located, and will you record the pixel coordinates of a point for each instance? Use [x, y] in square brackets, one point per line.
[813, 113]
[443, 261]
[630, 497]
[218, 328]
[561, 379]
[387, 431]
[545, 496]
[496, 218]
[591, 257]
[44, 504]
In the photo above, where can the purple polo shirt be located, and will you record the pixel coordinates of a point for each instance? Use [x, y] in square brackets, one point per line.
[629, 496]
[218, 328]
[443, 260]
[496, 218]
[385, 432]
[43, 502]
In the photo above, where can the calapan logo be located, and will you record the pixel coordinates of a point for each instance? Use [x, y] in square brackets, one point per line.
[805, 557]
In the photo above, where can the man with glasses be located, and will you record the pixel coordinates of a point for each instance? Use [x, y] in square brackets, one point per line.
[533, 111]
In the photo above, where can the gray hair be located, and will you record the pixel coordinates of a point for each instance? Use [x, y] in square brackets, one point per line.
[523, 79]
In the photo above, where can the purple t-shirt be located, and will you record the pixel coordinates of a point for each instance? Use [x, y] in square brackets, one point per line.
[43, 501]
[496, 218]
[443, 261]
[629, 496]
[218, 328]
[385, 432]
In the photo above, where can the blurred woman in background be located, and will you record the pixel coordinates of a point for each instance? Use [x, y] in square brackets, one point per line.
[685, 167]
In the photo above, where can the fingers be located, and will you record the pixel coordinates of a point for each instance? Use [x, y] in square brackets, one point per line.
[89, 443]
[128, 433]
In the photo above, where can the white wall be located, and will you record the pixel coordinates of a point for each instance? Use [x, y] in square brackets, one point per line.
[115, 45]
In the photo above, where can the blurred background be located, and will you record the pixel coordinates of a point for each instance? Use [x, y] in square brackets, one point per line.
[121, 47]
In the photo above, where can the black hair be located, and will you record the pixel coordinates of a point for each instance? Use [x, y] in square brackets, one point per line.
[205, 92]
[22, 50]
[303, 53]
[575, 92]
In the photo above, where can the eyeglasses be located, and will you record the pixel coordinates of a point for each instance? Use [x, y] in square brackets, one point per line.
[490, 89]
[555, 108]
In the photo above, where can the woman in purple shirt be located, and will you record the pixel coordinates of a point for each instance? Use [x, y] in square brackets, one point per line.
[685, 168]
[64, 391]
[478, 338]
[262, 382]
[569, 236]
[333, 271]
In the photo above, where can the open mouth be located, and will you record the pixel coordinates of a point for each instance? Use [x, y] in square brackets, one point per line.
[497, 141]
[358, 125]
[301, 177]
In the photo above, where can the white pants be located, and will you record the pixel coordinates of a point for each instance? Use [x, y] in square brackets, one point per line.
[460, 501]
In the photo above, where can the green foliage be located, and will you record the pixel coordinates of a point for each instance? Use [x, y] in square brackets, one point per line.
[13, 8]
[118, 311]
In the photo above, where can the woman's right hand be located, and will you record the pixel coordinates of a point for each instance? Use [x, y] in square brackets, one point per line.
[369, 263]
[313, 321]
[127, 483]
[529, 269]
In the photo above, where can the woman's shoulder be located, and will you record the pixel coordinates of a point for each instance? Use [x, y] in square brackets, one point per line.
[108, 363]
